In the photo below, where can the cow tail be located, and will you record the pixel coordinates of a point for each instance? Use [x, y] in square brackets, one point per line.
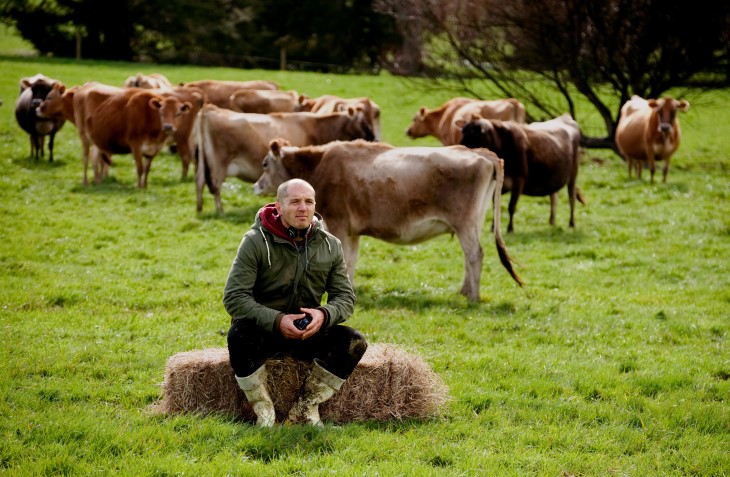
[579, 195]
[199, 151]
[501, 247]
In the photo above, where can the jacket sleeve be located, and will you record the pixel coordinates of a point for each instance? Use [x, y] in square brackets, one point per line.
[340, 295]
[238, 297]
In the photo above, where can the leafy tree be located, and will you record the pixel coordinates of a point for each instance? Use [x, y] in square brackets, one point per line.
[594, 48]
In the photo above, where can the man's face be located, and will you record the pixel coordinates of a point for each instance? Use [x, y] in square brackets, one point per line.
[297, 209]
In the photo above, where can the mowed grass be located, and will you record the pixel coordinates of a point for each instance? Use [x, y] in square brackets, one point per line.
[613, 360]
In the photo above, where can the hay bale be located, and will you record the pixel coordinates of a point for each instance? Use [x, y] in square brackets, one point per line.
[388, 383]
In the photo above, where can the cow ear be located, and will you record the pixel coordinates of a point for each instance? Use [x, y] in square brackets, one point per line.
[460, 123]
[653, 103]
[422, 112]
[275, 147]
[683, 105]
[351, 111]
[186, 107]
[155, 103]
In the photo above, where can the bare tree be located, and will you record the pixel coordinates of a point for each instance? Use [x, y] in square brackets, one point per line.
[604, 50]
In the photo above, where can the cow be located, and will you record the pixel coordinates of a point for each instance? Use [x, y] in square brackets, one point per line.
[539, 158]
[113, 120]
[441, 122]
[151, 81]
[402, 195]
[648, 130]
[330, 104]
[264, 101]
[219, 92]
[33, 90]
[234, 144]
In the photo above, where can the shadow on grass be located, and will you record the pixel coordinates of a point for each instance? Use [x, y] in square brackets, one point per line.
[547, 234]
[42, 164]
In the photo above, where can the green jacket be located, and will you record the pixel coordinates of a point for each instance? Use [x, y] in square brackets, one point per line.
[269, 276]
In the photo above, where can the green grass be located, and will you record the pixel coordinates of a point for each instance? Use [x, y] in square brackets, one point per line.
[612, 361]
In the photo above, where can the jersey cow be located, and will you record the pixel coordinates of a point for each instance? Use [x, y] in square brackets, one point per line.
[648, 131]
[263, 101]
[234, 144]
[330, 104]
[33, 91]
[441, 122]
[400, 195]
[113, 120]
[151, 81]
[539, 158]
[219, 92]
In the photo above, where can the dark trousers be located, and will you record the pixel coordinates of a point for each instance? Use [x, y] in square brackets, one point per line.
[337, 349]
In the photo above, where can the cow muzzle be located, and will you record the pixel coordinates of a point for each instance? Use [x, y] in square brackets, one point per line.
[665, 128]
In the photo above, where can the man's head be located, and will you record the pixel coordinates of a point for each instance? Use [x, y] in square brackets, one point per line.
[295, 203]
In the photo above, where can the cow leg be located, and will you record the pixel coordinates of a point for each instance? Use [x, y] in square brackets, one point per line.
[553, 207]
[50, 145]
[146, 166]
[517, 186]
[652, 166]
[665, 170]
[473, 257]
[350, 248]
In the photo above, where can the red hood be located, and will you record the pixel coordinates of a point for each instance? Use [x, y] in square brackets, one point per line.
[271, 220]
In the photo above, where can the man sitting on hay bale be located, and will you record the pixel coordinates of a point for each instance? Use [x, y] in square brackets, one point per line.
[283, 267]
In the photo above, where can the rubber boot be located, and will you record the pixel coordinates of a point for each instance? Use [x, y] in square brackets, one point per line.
[319, 387]
[254, 387]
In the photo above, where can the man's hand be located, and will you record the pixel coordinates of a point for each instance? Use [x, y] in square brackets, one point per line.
[289, 331]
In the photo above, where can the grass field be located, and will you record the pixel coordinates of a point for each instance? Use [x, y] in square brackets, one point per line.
[612, 361]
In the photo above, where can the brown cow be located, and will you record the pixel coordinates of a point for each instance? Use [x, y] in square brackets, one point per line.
[263, 101]
[151, 81]
[234, 144]
[330, 104]
[401, 195]
[113, 120]
[441, 122]
[33, 90]
[539, 158]
[219, 92]
[648, 130]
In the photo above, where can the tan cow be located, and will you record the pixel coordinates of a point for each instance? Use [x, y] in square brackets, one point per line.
[219, 92]
[648, 131]
[151, 81]
[441, 122]
[113, 120]
[181, 140]
[401, 195]
[234, 144]
[539, 158]
[330, 104]
[263, 101]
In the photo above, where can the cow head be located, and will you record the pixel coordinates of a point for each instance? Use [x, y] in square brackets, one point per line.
[274, 174]
[666, 113]
[359, 126]
[418, 127]
[52, 105]
[40, 85]
[477, 132]
[170, 109]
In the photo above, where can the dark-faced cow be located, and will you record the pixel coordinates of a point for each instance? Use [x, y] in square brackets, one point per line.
[219, 92]
[151, 81]
[234, 144]
[400, 195]
[264, 101]
[113, 120]
[441, 122]
[33, 91]
[539, 158]
[648, 131]
[330, 104]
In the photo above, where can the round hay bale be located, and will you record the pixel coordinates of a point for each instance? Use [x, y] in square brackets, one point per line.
[388, 383]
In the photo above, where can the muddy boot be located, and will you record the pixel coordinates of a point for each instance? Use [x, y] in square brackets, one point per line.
[319, 387]
[254, 387]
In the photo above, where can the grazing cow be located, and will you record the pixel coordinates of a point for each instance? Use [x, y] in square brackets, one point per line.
[151, 81]
[234, 144]
[441, 122]
[648, 130]
[219, 92]
[401, 195]
[113, 120]
[330, 104]
[539, 158]
[264, 101]
[33, 90]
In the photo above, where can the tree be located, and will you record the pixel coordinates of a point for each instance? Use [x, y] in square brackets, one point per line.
[595, 48]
